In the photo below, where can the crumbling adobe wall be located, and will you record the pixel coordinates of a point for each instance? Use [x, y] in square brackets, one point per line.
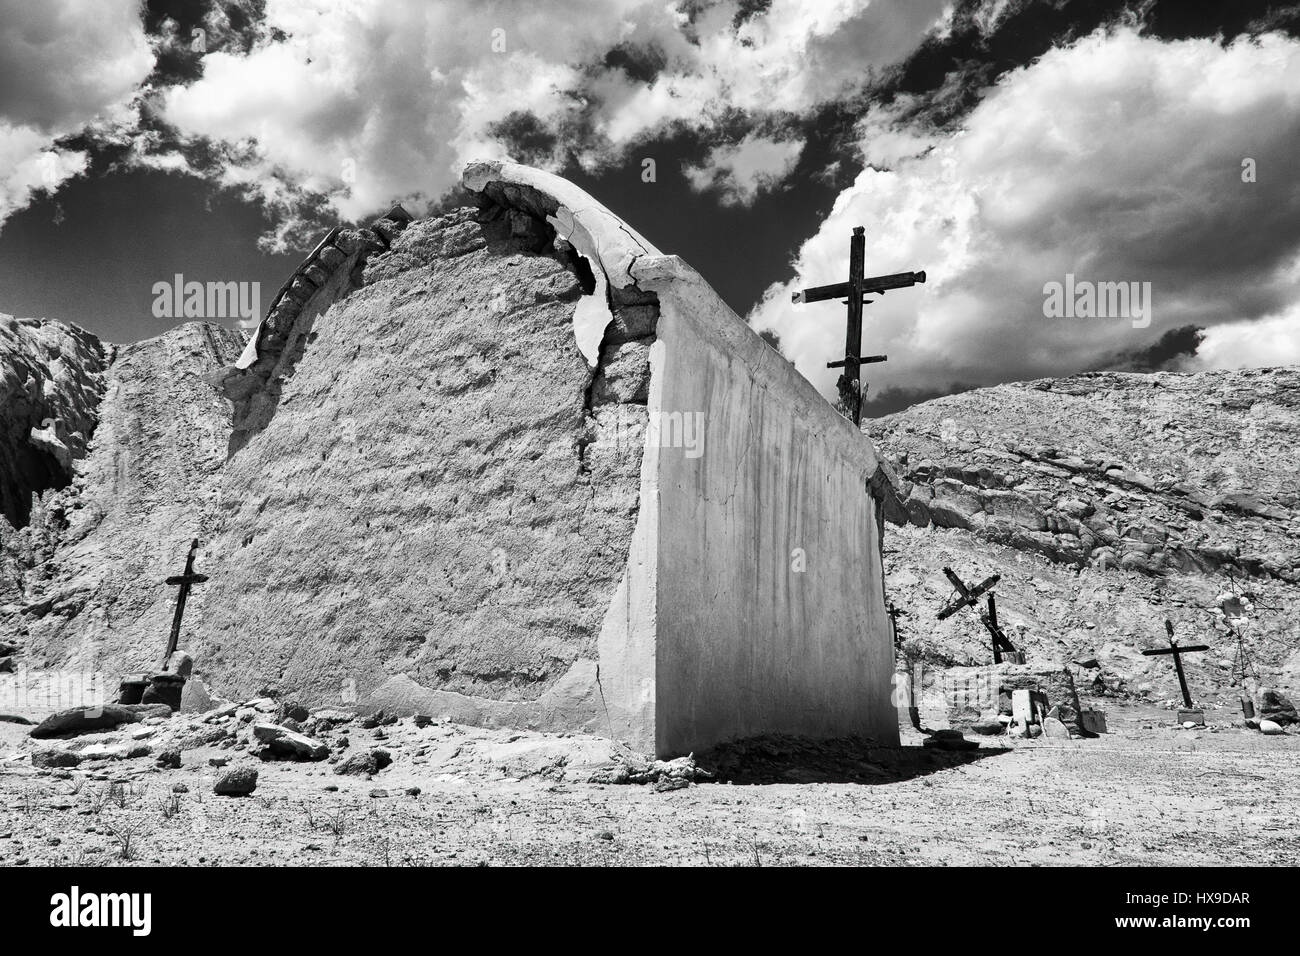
[771, 609]
[425, 494]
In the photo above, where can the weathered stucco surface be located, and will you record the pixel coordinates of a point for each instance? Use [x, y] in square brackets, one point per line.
[421, 497]
[754, 596]
[511, 466]
[771, 604]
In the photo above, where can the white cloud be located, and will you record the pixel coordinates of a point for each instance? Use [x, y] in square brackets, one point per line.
[65, 65]
[1273, 340]
[1115, 159]
[369, 102]
[743, 170]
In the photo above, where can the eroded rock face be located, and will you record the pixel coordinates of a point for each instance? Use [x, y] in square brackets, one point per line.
[92, 593]
[51, 381]
[438, 488]
[1108, 502]
[1151, 473]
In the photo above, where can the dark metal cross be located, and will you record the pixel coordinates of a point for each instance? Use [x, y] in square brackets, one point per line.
[853, 293]
[968, 597]
[186, 581]
[1178, 651]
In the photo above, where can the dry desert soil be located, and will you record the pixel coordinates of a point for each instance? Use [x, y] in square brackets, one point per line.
[1145, 794]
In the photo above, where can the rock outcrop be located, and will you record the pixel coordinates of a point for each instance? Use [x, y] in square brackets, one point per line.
[1108, 501]
[51, 382]
[89, 591]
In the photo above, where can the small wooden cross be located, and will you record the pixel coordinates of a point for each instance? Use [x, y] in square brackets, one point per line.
[854, 292]
[967, 597]
[186, 581]
[1178, 651]
[894, 614]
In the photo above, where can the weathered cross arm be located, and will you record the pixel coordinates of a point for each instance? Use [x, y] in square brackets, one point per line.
[864, 360]
[873, 286]
[1180, 649]
[968, 595]
[184, 582]
[854, 293]
[1177, 651]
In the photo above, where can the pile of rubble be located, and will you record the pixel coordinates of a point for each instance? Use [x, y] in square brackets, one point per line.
[1016, 700]
[118, 742]
[96, 739]
[1274, 713]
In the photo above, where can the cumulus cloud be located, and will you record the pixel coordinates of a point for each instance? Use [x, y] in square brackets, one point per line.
[743, 170]
[362, 103]
[1117, 158]
[65, 65]
[1272, 340]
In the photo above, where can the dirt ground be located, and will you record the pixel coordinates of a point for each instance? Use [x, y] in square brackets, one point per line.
[1145, 794]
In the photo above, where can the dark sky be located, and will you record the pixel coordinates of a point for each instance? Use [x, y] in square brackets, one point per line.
[91, 251]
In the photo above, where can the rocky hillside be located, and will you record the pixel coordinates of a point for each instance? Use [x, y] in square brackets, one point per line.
[404, 478]
[1108, 502]
[87, 562]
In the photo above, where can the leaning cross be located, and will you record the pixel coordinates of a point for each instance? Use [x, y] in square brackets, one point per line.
[1177, 651]
[186, 581]
[967, 597]
[894, 614]
[853, 293]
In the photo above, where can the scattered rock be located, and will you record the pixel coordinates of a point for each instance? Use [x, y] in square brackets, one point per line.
[50, 759]
[195, 698]
[284, 744]
[633, 768]
[364, 763]
[169, 759]
[164, 689]
[180, 665]
[292, 710]
[1274, 706]
[238, 782]
[84, 720]
[1055, 728]
[1271, 728]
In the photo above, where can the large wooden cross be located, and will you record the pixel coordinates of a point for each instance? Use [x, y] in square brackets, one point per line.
[186, 581]
[1178, 651]
[853, 293]
[968, 597]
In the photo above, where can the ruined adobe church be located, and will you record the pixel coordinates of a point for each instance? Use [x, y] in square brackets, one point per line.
[512, 465]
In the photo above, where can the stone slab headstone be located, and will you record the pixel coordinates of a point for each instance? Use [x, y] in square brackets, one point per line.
[1093, 720]
[1054, 728]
